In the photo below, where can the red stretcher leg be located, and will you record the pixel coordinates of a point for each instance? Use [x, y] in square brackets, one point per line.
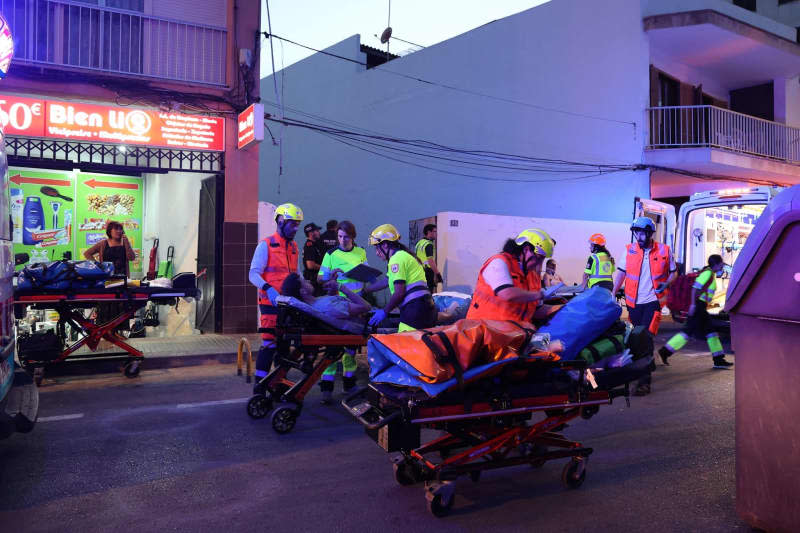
[95, 332]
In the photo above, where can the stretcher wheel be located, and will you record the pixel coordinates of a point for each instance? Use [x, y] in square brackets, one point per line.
[283, 419]
[440, 507]
[574, 474]
[259, 406]
[132, 368]
[404, 474]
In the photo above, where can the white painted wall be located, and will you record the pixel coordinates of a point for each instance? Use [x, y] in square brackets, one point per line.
[461, 250]
[171, 213]
[792, 109]
[557, 56]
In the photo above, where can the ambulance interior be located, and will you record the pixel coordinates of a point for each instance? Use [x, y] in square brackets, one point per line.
[719, 230]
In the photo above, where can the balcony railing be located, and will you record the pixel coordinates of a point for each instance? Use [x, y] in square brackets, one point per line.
[60, 32]
[710, 126]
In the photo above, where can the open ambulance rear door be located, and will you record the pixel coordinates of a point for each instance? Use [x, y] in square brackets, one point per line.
[663, 215]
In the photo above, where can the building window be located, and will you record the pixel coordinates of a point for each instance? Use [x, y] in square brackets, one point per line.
[746, 4]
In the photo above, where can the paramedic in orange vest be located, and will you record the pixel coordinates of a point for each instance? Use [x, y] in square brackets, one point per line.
[274, 259]
[647, 270]
[509, 286]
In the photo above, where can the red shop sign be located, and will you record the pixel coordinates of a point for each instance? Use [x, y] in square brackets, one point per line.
[251, 125]
[110, 124]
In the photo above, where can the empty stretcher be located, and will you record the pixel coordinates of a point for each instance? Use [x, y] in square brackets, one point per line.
[493, 402]
[36, 354]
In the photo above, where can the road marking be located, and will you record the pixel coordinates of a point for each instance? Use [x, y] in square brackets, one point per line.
[207, 404]
[59, 417]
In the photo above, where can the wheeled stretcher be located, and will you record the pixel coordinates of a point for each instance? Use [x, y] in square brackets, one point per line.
[307, 342]
[70, 305]
[504, 413]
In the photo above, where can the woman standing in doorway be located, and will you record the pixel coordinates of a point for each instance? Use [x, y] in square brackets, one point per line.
[115, 249]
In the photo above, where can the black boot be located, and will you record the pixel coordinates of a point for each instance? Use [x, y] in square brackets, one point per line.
[664, 353]
[327, 392]
[721, 363]
[348, 383]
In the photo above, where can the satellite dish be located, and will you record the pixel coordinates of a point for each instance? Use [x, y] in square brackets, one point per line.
[386, 35]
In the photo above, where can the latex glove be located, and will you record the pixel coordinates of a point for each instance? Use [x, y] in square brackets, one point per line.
[691, 310]
[378, 317]
[661, 288]
[272, 294]
[439, 278]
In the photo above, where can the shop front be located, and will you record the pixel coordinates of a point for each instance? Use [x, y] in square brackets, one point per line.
[76, 166]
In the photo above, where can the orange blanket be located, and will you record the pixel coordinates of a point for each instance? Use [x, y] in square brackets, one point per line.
[441, 353]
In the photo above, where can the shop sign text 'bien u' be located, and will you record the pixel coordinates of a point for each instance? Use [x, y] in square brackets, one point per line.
[32, 117]
[251, 125]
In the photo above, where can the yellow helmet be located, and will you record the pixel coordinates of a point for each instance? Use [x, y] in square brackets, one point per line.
[542, 243]
[289, 212]
[384, 232]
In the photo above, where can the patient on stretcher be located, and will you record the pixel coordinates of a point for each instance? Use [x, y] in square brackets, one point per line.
[350, 306]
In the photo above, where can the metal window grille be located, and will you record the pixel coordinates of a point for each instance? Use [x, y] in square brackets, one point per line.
[66, 33]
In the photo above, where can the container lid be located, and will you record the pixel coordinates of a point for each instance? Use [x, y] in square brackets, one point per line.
[781, 211]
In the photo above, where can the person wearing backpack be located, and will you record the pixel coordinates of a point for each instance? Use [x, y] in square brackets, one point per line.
[699, 322]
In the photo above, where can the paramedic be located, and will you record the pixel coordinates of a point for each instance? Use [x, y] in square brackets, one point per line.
[426, 253]
[509, 286]
[699, 322]
[275, 258]
[406, 282]
[647, 270]
[600, 266]
[336, 262]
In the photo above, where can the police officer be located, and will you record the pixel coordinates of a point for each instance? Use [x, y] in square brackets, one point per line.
[406, 282]
[425, 251]
[274, 259]
[313, 252]
[600, 266]
[329, 240]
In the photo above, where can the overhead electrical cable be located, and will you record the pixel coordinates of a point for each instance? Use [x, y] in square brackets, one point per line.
[382, 68]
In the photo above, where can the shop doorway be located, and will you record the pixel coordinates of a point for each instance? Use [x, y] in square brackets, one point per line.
[209, 254]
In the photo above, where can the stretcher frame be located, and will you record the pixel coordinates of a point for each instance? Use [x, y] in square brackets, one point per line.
[482, 436]
[68, 304]
[309, 353]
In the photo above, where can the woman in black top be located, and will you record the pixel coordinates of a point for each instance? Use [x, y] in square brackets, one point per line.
[115, 249]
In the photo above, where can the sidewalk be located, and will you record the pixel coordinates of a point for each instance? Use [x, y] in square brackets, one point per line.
[159, 352]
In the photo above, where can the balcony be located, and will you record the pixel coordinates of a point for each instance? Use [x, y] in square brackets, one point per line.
[710, 140]
[67, 34]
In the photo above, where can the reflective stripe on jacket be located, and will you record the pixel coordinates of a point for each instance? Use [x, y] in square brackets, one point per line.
[602, 269]
[419, 249]
[282, 261]
[487, 305]
[659, 270]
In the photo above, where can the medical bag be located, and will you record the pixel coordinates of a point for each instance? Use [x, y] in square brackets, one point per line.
[61, 275]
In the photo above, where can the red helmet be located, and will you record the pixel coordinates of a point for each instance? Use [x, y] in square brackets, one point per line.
[598, 239]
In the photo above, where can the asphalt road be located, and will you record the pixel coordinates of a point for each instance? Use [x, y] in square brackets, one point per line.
[175, 451]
